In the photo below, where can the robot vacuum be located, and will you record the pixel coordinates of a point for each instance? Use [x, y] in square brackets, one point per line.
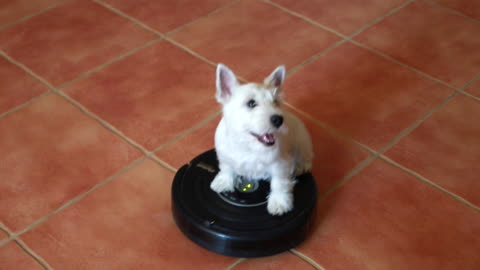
[237, 223]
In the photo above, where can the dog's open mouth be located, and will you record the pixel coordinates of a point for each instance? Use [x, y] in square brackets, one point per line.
[267, 139]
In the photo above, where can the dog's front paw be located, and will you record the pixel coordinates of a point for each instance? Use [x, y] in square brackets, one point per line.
[279, 203]
[222, 183]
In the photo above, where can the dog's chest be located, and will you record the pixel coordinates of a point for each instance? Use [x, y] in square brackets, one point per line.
[254, 167]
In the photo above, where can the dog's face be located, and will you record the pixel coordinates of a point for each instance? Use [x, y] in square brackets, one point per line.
[251, 111]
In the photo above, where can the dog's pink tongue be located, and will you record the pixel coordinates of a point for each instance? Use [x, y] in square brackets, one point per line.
[268, 138]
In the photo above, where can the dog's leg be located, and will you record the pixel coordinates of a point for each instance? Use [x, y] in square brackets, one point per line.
[224, 181]
[303, 167]
[280, 200]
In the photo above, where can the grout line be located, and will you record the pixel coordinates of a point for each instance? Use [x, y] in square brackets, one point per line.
[24, 246]
[315, 57]
[21, 106]
[7, 25]
[404, 132]
[344, 38]
[470, 82]
[347, 177]
[128, 17]
[338, 43]
[167, 165]
[307, 259]
[429, 182]
[3, 227]
[6, 241]
[451, 10]
[109, 62]
[330, 129]
[79, 197]
[237, 262]
[408, 129]
[9, 237]
[26, 69]
[350, 39]
[188, 131]
[84, 110]
[151, 154]
[465, 94]
[150, 29]
[33, 254]
[377, 20]
[376, 154]
[188, 50]
[162, 163]
[402, 64]
[305, 18]
[328, 29]
[102, 122]
[201, 18]
[417, 123]
[148, 154]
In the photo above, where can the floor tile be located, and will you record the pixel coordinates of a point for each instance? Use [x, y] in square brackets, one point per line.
[13, 256]
[383, 218]
[51, 152]
[88, 36]
[474, 88]
[17, 87]
[193, 144]
[470, 8]
[165, 16]
[284, 261]
[430, 39]
[151, 95]
[11, 11]
[3, 234]
[126, 224]
[343, 16]
[446, 148]
[363, 95]
[334, 157]
[253, 37]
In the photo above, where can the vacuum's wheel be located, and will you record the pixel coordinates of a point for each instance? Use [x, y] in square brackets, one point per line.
[237, 223]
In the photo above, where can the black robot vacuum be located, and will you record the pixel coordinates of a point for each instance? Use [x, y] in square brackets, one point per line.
[237, 223]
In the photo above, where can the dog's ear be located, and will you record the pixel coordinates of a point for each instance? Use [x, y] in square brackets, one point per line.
[276, 78]
[226, 81]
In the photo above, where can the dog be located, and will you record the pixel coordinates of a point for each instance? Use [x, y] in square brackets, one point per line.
[257, 139]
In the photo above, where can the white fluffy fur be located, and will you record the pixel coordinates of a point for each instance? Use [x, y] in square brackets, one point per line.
[241, 153]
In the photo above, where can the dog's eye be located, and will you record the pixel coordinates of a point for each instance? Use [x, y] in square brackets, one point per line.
[251, 104]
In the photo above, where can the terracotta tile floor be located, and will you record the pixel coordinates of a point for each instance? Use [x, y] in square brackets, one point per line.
[101, 101]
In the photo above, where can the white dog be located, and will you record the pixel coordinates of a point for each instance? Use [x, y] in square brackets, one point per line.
[256, 139]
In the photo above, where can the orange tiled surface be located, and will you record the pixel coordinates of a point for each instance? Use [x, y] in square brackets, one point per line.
[282, 262]
[13, 256]
[474, 88]
[3, 234]
[90, 89]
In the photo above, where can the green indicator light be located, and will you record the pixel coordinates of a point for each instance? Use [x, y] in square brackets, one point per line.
[244, 189]
[249, 185]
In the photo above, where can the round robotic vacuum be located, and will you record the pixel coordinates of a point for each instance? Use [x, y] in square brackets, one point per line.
[237, 223]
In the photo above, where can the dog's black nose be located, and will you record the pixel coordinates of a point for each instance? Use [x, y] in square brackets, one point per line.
[277, 120]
